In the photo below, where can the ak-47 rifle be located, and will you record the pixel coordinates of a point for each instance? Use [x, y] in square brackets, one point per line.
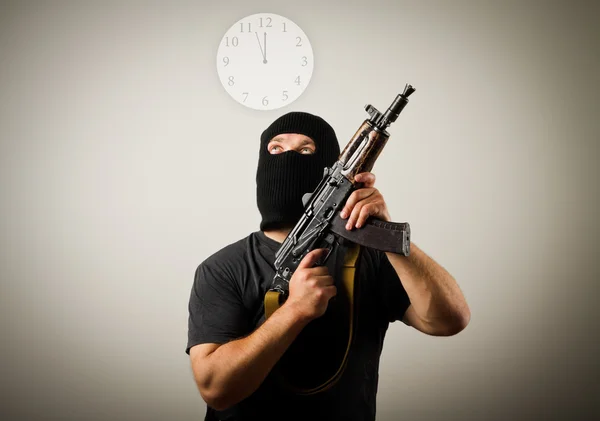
[316, 359]
[321, 223]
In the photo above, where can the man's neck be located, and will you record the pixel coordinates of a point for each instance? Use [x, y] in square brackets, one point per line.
[278, 235]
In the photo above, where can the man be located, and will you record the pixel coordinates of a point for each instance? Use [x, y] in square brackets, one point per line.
[234, 350]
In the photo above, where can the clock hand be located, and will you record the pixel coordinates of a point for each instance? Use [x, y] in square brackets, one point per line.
[265, 55]
[261, 49]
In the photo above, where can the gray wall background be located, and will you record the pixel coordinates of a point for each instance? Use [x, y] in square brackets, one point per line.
[124, 164]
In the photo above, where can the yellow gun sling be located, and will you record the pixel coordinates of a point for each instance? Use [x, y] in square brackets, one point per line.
[272, 303]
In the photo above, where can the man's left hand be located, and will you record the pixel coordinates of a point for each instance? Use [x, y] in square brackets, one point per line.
[364, 202]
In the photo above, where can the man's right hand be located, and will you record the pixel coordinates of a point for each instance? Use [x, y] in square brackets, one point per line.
[310, 288]
[228, 373]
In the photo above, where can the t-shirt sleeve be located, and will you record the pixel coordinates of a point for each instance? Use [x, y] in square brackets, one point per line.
[392, 295]
[216, 310]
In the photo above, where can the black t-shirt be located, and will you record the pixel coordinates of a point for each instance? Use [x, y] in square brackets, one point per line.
[226, 303]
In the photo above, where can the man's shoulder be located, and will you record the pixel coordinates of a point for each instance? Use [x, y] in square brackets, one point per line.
[236, 257]
[233, 248]
[230, 253]
[225, 265]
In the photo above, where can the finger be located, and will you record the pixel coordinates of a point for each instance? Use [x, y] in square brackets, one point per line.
[353, 199]
[319, 271]
[331, 291]
[366, 211]
[354, 215]
[367, 178]
[324, 280]
[311, 258]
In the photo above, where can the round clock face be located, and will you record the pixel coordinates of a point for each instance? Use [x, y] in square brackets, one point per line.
[265, 61]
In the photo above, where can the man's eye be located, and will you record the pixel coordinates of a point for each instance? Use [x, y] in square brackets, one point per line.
[306, 150]
[275, 149]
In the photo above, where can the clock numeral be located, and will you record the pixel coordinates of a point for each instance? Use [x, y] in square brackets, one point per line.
[268, 24]
[232, 82]
[226, 61]
[299, 44]
[234, 41]
[304, 61]
[265, 101]
[297, 81]
[246, 97]
[242, 27]
[284, 30]
[285, 95]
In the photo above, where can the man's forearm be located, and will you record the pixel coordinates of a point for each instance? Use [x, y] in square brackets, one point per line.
[434, 294]
[238, 368]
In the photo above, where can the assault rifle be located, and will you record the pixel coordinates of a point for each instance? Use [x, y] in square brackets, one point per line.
[320, 225]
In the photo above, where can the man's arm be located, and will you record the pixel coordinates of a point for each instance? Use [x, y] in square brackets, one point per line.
[438, 306]
[226, 374]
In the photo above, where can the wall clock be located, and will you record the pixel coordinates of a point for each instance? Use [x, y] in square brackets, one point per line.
[265, 61]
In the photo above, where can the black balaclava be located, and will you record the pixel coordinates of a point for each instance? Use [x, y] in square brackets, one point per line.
[282, 179]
